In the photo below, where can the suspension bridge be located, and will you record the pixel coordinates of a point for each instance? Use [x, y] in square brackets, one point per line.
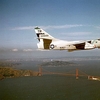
[77, 73]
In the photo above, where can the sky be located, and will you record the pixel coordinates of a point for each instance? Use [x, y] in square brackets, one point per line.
[63, 19]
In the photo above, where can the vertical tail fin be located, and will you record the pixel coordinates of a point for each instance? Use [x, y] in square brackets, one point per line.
[41, 34]
[44, 38]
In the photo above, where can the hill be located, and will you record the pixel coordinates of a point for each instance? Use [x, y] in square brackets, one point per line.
[8, 72]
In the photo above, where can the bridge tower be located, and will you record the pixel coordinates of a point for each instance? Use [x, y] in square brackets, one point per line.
[40, 71]
[77, 74]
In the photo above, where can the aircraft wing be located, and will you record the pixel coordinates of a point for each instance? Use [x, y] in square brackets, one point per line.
[79, 45]
[83, 45]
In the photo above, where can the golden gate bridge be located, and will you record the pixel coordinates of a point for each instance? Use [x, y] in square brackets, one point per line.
[75, 73]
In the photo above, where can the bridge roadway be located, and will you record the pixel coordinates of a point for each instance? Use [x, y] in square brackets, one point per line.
[77, 73]
[65, 74]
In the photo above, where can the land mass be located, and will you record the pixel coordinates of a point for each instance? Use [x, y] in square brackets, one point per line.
[9, 72]
[57, 64]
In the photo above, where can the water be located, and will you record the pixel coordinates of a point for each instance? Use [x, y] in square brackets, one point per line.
[51, 87]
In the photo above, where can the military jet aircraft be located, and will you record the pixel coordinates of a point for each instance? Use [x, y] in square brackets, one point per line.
[48, 42]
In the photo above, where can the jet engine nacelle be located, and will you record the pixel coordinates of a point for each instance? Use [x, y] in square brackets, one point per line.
[89, 46]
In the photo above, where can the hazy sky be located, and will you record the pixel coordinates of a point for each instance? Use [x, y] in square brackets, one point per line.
[64, 19]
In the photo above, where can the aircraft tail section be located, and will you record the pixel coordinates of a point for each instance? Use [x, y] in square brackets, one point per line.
[41, 34]
[44, 38]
